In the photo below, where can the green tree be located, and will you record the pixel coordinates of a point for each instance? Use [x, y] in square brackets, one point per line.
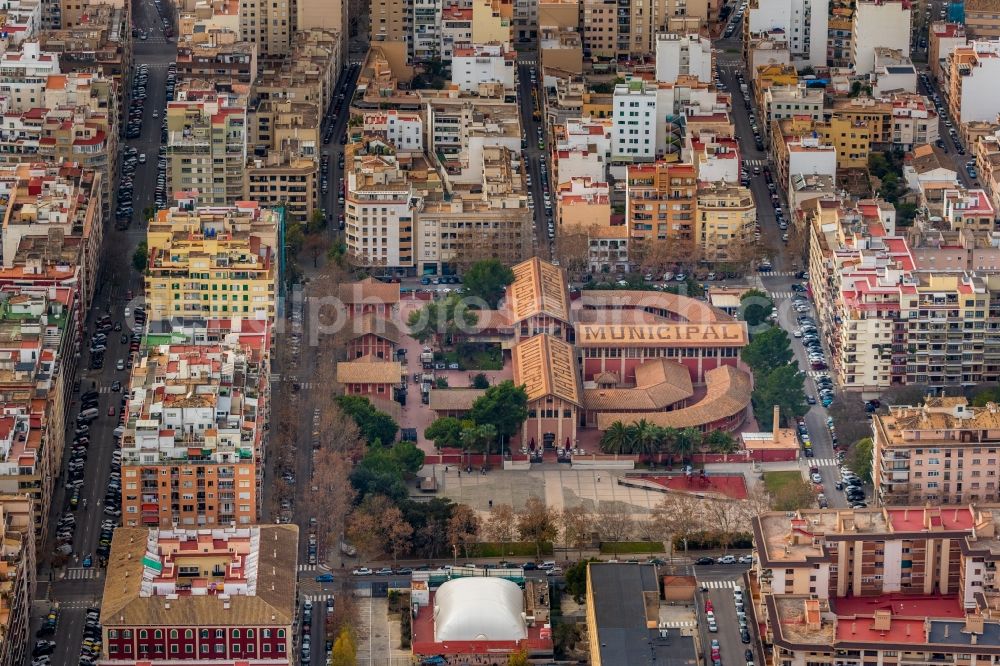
[379, 473]
[647, 438]
[756, 306]
[488, 280]
[441, 321]
[768, 350]
[793, 495]
[860, 459]
[576, 579]
[519, 658]
[720, 441]
[504, 406]
[140, 258]
[782, 387]
[446, 432]
[617, 438]
[344, 652]
[987, 395]
[408, 455]
[480, 381]
[373, 424]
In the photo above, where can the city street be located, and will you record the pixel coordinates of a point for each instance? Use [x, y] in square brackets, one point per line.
[532, 154]
[75, 587]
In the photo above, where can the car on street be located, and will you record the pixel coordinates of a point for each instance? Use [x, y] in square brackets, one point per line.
[362, 571]
[726, 559]
[704, 560]
[328, 577]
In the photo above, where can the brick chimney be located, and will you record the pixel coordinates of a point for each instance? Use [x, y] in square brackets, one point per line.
[777, 423]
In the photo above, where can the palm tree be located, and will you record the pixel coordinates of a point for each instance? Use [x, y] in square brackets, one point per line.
[720, 441]
[647, 438]
[688, 441]
[668, 442]
[617, 438]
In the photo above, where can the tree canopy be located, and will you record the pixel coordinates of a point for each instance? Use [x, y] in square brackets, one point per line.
[488, 280]
[446, 432]
[441, 320]
[141, 256]
[860, 459]
[768, 350]
[372, 423]
[504, 406]
[782, 387]
[756, 306]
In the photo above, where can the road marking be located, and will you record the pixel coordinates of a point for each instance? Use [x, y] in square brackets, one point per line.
[816, 374]
[819, 462]
[780, 294]
[317, 597]
[719, 584]
[82, 573]
[755, 162]
[303, 568]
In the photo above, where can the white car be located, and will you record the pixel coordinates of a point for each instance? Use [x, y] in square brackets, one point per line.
[797, 333]
[726, 559]
[363, 571]
[746, 559]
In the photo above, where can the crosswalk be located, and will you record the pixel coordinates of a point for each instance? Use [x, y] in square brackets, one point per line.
[317, 598]
[82, 573]
[719, 584]
[776, 295]
[755, 163]
[312, 568]
[815, 374]
[678, 624]
[819, 462]
[777, 273]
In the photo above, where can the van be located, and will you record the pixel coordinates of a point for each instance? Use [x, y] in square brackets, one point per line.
[87, 415]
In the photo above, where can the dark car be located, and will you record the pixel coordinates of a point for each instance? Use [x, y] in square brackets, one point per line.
[704, 560]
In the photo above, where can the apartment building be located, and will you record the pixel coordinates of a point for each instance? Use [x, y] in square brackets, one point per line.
[582, 203]
[456, 28]
[803, 22]
[607, 251]
[972, 71]
[425, 39]
[600, 28]
[192, 449]
[561, 49]
[893, 72]
[270, 24]
[942, 39]
[223, 595]
[403, 129]
[889, 585]
[391, 21]
[982, 19]
[782, 102]
[661, 201]
[103, 39]
[488, 220]
[492, 21]
[210, 262]
[459, 130]
[915, 122]
[968, 209]
[838, 42]
[987, 154]
[25, 72]
[309, 73]
[893, 314]
[683, 55]
[943, 451]
[878, 23]
[38, 328]
[283, 164]
[379, 211]
[475, 68]
[716, 158]
[525, 20]
[22, 20]
[726, 219]
[852, 139]
[797, 151]
[52, 220]
[636, 123]
[209, 45]
[17, 577]
[207, 145]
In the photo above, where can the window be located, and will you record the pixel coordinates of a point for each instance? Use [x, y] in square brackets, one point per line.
[236, 633]
[143, 634]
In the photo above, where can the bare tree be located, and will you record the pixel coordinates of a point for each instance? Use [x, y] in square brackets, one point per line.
[378, 526]
[332, 498]
[577, 526]
[679, 515]
[463, 528]
[726, 518]
[537, 523]
[397, 533]
[614, 522]
[573, 250]
[501, 525]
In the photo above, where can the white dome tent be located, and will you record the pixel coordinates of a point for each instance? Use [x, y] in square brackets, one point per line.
[479, 609]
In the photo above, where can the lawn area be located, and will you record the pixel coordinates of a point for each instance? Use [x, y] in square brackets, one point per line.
[515, 549]
[474, 357]
[615, 547]
[776, 481]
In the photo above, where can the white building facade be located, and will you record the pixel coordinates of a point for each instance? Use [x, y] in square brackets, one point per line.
[803, 21]
[679, 55]
[882, 23]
